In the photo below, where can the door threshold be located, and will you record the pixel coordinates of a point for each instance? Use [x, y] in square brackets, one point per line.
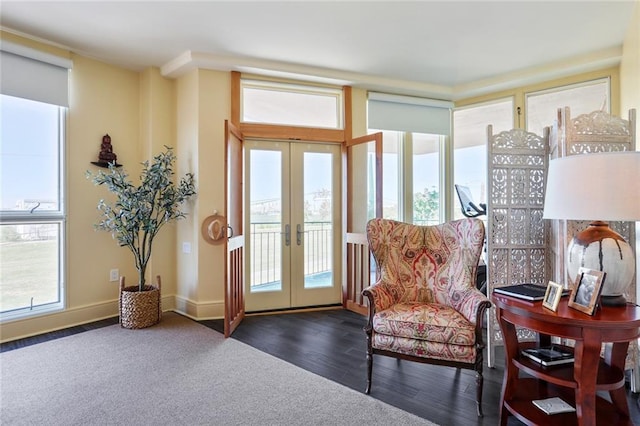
[334, 306]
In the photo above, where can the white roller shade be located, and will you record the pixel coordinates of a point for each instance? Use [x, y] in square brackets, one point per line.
[409, 114]
[31, 74]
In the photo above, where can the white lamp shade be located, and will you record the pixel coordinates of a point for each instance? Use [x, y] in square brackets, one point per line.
[597, 187]
[603, 186]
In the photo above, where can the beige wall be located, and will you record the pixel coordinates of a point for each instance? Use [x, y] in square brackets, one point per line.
[187, 140]
[103, 99]
[157, 130]
[203, 103]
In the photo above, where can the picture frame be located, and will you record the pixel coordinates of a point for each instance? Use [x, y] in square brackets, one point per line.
[552, 296]
[585, 294]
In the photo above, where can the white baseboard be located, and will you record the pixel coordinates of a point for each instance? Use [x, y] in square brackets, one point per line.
[52, 321]
[199, 310]
[71, 317]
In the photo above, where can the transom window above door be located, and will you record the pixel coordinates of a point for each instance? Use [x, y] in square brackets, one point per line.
[291, 104]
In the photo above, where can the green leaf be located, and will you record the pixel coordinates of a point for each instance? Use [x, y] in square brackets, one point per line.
[138, 213]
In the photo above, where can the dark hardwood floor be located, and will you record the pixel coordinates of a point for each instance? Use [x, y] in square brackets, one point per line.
[28, 341]
[331, 343]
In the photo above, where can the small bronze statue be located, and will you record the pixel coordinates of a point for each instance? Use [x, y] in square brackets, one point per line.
[106, 151]
[106, 156]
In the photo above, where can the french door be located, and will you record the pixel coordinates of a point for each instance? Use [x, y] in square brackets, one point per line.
[293, 232]
[234, 211]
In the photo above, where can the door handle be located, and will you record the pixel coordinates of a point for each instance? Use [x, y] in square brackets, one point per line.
[299, 234]
[287, 235]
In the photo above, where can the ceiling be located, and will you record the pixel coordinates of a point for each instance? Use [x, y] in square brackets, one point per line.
[442, 49]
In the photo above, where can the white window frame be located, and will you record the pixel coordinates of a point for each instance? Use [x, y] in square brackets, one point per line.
[59, 217]
[405, 170]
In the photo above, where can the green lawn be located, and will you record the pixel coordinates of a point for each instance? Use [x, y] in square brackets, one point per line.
[28, 269]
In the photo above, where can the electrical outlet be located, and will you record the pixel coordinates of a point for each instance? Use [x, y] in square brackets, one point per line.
[114, 275]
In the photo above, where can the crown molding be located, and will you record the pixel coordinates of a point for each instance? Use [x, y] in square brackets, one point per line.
[576, 65]
[190, 60]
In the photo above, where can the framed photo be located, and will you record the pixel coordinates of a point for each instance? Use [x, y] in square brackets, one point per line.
[552, 296]
[584, 295]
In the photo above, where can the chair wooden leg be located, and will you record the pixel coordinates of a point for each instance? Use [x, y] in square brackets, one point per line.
[369, 371]
[479, 382]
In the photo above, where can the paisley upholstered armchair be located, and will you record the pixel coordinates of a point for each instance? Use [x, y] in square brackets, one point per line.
[425, 306]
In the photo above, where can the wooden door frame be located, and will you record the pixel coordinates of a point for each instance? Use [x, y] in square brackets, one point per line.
[344, 136]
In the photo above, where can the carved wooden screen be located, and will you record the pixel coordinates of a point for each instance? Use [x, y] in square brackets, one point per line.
[517, 235]
[590, 133]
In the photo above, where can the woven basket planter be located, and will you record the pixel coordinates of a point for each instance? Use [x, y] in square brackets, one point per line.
[139, 309]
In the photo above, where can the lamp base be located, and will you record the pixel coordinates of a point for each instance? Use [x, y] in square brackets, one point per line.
[613, 300]
[600, 248]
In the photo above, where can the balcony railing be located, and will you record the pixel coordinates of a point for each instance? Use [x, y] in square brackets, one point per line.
[266, 252]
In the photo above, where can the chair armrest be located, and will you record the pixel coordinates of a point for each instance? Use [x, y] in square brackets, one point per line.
[381, 296]
[471, 303]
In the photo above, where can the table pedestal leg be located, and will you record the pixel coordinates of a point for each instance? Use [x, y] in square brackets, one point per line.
[510, 371]
[587, 357]
[616, 357]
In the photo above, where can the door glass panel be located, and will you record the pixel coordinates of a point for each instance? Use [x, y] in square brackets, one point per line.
[391, 183]
[371, 180]
[265, 212]
[426, 179]
[318, 220]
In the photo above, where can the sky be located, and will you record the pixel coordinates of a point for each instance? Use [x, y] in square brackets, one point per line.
[28, 143]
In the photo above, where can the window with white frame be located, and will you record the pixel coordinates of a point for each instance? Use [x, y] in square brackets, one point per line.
[470, 145]
[291, 104]
[414, 135]
[32, 214]
[582, 98]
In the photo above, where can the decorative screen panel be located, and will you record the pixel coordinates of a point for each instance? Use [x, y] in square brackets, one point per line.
[595, 132]
[517, 236]
[589, 133]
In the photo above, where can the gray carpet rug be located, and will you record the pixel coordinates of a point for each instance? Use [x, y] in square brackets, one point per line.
[176, 373]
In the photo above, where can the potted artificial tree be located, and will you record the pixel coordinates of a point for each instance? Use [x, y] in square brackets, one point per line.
[134, 219]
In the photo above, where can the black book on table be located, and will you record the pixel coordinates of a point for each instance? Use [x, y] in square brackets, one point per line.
[549, 355]
[526, 291]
